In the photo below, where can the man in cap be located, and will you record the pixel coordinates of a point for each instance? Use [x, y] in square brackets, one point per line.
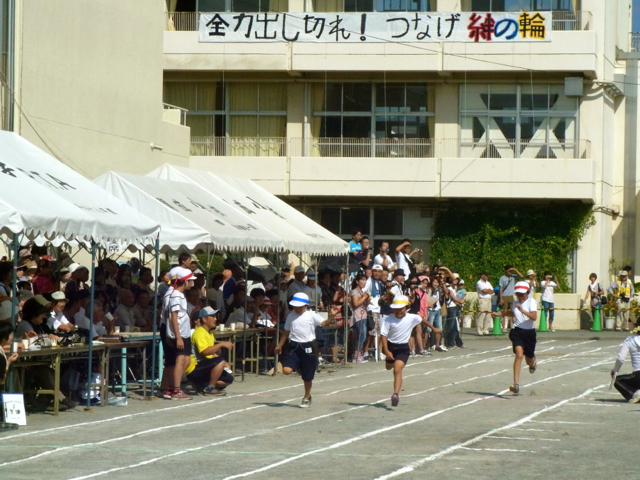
[398, 286]
[395, 332]
[298, 285]
[302, 352]
[208, 371]
[313, 291]
[623, 290]
[523, 334]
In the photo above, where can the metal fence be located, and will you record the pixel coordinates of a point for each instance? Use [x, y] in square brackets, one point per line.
[387, 147]
[562, 20]
[173, 114]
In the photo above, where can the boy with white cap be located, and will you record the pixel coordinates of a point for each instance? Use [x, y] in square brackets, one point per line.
[523, 334]
[302, 352]
[395, 332]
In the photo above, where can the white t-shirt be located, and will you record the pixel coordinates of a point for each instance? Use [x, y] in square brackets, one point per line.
[239, 317]
[482, 285]
[296, 287]
[302, 328]
[313, 295]
[378, 259]
[547, 290]
[164, 313]
[55, 320]
[521, 320]
[396, 289]
[398, 330]
[97, 329]
[630, 345]
[178, 303]
[402, 263]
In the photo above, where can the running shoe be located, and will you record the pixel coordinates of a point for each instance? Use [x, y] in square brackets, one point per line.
[359, 359]
[365, 354]
[395, 399]
[180, 395]
[382, 356]
[425, 353]
[515, 388]
[412, 353]
[209, 390]
[441, 348]
[322, 361]
[166, 394]
[635, 398]
[306, 403]
[533, 368]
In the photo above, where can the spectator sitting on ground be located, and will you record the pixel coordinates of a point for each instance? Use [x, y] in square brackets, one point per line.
[123, 314]
[142, 311]
[208, 372]
[58, 321]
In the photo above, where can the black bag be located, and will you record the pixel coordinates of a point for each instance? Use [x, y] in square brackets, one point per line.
[371, 323]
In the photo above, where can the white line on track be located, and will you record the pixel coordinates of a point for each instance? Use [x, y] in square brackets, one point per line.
[531, 430]
[383, 430]
[187, 405]
[198, 422]
[497, 450]
[531, 439]
[564, 423]
[411, 467]
[234, 439]
[592, 405]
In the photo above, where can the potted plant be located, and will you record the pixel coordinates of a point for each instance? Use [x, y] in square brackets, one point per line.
[609, 310]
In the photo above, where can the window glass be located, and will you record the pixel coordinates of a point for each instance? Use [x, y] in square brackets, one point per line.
[356, 97]
[356, 127]
[243, 97]
[248, 5]
[181, 94]
[332, 101]
[211, 5]
[353, 218]
[273, 96]
[502, 128]
[536, 98]
[417, 97]
[200, 125]
[330, 219]
[474, 97]
[358, 5]
[387, 221]
[503, 97]
[533, 128]
[390, 98]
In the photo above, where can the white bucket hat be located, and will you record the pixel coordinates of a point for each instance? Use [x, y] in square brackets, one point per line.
[299, 300]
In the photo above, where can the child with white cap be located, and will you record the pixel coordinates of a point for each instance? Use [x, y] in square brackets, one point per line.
[395, 332]
[523, 334]
[302, 352]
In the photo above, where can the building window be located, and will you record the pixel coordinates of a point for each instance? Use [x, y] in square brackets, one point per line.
[238, 118]
[231, 6]
[388, 224]
[363, 119]
[373, 5]
[511, 121]
[521, 5]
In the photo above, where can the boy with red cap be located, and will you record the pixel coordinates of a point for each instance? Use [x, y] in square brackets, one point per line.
[523, 334]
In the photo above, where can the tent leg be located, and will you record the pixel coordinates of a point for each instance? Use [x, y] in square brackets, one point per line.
[277, 356]
[15, 247]
[155, 318]
[244, 330]
[91, 302]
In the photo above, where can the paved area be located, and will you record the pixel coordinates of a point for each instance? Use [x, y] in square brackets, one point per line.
[456, 419]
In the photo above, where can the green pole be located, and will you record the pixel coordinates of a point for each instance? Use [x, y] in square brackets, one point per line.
[543, 321]
[497, 328]
[597, 324]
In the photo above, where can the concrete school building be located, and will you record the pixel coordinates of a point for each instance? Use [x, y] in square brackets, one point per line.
[379, 133]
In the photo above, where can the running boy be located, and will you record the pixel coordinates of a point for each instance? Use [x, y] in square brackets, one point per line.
[302, 352]
[395, 332]
[523, 334]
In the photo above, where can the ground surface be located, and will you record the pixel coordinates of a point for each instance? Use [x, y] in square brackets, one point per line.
[455, 420]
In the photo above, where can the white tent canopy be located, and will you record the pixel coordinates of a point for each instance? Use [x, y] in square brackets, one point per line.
[299, 233]
[44, 199]
[190, 216]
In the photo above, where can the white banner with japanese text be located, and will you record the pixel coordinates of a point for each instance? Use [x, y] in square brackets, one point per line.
[349, 27]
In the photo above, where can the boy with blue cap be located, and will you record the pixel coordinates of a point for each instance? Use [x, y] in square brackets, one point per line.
[302, 352]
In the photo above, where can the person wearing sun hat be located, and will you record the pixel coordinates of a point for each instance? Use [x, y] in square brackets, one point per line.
[623, 290]
[57, 321]
[395, 332]
[629, 385]
[523, 334]
[302, 352]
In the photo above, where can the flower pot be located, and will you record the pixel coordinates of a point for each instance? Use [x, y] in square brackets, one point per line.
[466, 321]
[609, 322]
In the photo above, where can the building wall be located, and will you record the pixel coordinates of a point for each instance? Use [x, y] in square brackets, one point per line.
[89, 83]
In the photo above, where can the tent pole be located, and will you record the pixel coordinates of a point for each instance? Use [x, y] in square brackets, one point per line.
[91, 301]
[155, 318]
[345, 315]
[15, 248]
[279, 277]
[244, 308]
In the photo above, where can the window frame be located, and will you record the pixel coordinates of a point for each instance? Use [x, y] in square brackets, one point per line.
[431, 7]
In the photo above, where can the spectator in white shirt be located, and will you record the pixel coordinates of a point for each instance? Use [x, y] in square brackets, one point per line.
[629, 385]
[404, 254]
[485, 291]
[383, 257]
[298, 285]
[57, 321]
[548, 285]
[124, 312]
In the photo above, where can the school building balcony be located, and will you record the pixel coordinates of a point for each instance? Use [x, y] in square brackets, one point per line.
[574, 49]
[439, 168]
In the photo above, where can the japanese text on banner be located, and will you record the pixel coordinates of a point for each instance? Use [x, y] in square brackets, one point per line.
[350, 27]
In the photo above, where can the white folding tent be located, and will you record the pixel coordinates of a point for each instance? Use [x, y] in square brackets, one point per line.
[299, 233]
[190, 216]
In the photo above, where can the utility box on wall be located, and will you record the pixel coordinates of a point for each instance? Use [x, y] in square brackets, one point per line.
[573, 86]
